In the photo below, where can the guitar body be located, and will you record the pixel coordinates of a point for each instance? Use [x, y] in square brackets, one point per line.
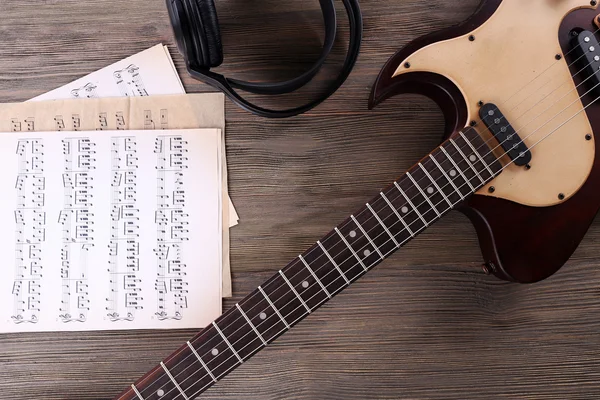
[518, 158]
[530, 219]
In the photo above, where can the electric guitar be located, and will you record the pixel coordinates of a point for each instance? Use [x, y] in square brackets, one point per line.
[519, 85]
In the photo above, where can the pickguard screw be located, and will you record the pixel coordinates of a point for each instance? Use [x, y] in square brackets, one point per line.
[473, 123]
[472, 38]
[486, 269]
[561, 196]
[407, 65]
[480, 103]
[558, 57]
[492, 189]
[588, 137]
[528, 167]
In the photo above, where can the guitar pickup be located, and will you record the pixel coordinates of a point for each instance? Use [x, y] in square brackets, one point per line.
[505, 134]
[587, 54]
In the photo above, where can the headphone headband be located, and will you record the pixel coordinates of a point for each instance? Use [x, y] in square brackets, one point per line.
[191, 45]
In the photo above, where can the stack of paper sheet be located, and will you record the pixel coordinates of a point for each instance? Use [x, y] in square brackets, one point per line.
[119, 229]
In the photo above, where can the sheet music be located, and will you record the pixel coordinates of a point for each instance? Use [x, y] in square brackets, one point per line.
[174, 112]
[150, 72]
[109, 231]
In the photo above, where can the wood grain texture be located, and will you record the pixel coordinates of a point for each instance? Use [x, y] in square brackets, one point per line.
[427, 324]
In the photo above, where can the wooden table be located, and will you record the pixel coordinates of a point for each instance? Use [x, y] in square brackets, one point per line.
[427, 324]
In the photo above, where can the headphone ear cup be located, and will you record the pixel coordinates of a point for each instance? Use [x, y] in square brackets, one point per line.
[210, 32]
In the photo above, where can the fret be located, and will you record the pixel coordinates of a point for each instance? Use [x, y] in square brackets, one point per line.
[447, 177]
[155, 385]
[476, 153]
[331, 247]
[295, 292]
[305, 285]
[262, 316]
[437, 187]
[237, 332]
[431, 194]
[332, 278]
[488, 158]
[137, 393]
[357, 246]
[217, 356]
[473, 157]
[458, 149]
[228, 344]
[195, 368]
[289, 305]
[201, 361]
[314, 275]
[193, 374]
[173, 380]
[406, 222]
[351, 249]
[456, 192]
[383, 225]
[367, 236]
[333, 262]
[460, 171]
[423, 194]
[374, 240]
[403, 224]
[409, 201]
[251, 324]
[274, 308]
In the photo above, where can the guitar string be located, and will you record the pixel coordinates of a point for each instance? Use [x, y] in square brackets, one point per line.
[417, 206]
[353, 279]
[360, 273]
[547, 135]
[544, 85]
[503, 117]
[551, 119]
[487, 128]
[419, 181]
[547, 69]
[441, 202]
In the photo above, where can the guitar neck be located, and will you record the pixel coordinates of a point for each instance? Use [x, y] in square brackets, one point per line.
[429, 190]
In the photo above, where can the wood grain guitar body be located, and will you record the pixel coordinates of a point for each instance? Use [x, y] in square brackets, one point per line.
[518, 55]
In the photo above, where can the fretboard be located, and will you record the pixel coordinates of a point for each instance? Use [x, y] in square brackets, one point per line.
[429, 190]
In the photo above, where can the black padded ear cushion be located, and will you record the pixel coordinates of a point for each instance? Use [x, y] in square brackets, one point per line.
[213, 51]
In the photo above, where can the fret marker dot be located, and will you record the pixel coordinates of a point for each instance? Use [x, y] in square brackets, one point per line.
[367, 253]
[160, 393]
[214, 352]
[453, 173]
[404, 210]
[352, 234]
[473, 158]
[430, 190]
[305, 284]
[263, 315]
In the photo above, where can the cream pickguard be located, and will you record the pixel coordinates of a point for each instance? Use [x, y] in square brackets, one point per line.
[511, 60]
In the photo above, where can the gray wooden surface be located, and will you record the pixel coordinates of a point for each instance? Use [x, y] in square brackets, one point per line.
[427, 324]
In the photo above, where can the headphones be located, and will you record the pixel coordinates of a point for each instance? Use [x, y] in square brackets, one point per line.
[196, 29]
